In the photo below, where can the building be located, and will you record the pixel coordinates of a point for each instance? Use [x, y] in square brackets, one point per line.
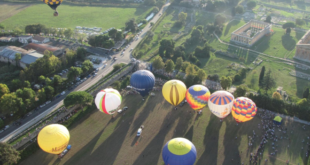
[250, 33]
[39, 40]
[24, 39]
[40, 48]
[7, 39]
[29, 58]
[303, 48]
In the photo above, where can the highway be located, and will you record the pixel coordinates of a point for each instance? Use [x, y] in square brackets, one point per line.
[55, 104]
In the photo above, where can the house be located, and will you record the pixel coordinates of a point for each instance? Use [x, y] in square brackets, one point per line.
[7, 39]
[29, 58]
[39, 40]
[40, 48]
[24, 39]
[8, 54]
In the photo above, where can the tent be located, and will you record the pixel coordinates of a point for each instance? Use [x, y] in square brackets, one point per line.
[277, 120]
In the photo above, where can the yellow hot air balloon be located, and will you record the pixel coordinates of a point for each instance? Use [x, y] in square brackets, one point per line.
[174, 91]
[53, 138]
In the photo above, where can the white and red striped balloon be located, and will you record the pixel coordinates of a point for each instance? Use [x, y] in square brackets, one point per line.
[108, 100]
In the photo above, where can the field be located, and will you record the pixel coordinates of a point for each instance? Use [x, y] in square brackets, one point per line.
[10, 9]
[72, 16]
[98, 139]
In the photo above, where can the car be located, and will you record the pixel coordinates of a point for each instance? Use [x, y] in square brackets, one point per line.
[57, 96]
[1, 131]
[97, 69]
[41, 106]
[124, 49]
[131, 49]
[47, 102]
[139, 132]
[88, 76]
[6, 127]
[115, 58]
[95, 74]
[63, 92]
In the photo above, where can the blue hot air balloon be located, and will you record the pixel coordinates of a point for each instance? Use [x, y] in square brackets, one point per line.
[142, 81]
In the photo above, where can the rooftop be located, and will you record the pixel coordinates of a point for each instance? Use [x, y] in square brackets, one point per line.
[305, 40]
[40, 48]
[31, 57]
[38, 38]
[10, 51]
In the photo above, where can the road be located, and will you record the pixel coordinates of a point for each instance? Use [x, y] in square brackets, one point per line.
[54, 105]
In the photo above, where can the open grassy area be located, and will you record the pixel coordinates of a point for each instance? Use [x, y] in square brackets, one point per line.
[229, 28]
[72, 16]
[10, 9]
[98, 139]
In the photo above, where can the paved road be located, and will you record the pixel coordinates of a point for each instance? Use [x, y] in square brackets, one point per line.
[38, 115]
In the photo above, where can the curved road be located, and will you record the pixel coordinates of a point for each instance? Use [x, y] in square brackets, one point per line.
[54, 105]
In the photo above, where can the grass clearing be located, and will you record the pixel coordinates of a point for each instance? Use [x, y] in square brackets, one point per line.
[97, 139]
[10, 9]
[72, 16]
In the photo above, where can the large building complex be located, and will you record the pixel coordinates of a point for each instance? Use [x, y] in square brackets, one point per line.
[303, 48]
[250, 33]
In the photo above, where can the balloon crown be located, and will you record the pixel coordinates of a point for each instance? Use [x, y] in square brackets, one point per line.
[179, 145]
[197, 88]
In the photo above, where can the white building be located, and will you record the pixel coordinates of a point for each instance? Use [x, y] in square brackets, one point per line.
[24, 39]
[39, 40]
[29, 58]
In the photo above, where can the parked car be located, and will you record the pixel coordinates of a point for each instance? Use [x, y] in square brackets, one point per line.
[1, 131]
[6, 127]
[41, 106]
[131, 49]
[47, 102]
[97, 69]
[122, 110]
[63, 92]
[139, 132]
[58, 96]
[88, 76]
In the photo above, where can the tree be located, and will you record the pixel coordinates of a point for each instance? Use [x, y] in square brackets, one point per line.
[22, 75]
[117, 67]
[68, 33]
[304, 95]
[26, 84]
[261, 76]
[302, 102]
[240, 91]
[288, 25]
[239, 9]
[203, 52]
[196, 35]
[49, 92]
[178, 63]
[42, 79]
[10, 103]
[60, 33]
[15, 84]
[5, 90]
[117, 85]
[219, 20]
[155, 10]
[80, 98]
[150, 35]
[182, 17]
[57, 81]
[288, 31]
[185, 65]
[1, 27]
[201, 74]
[87, 65]
[8, 154]
[28, 96]
[268, 81]
[225, 82]
[158, 63]
[48, 81]
[18, 56]
[251, 4]
[131, 25]
[160, 3]
[41, 95]
[299, 22]
[268, 19]
[190, 69]
[74, 72]
[18, 31]
[169, 66]
[119, 36]
[150, 2]
[166, 48]
[81, 53]
[277, 95]
[112, 33]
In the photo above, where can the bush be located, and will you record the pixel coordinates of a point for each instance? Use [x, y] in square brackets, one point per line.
[178, 24]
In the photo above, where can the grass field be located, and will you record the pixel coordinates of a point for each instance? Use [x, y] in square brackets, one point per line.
[72, 16]
[10, 9]
[97, 139]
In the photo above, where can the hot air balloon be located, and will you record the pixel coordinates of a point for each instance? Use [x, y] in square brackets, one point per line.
[53, 138]
[244, 109]
[53, 4]
[220, 103]
[174, 91]
[142, 81]
[197, 96]
[179, 151]
[108, 100]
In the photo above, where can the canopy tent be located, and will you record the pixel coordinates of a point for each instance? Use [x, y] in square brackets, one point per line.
[277, 120]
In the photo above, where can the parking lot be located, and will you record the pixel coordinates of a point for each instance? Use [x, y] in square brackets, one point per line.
[101, 64]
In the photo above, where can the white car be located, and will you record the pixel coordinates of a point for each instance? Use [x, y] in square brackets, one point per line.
[63, 92]
[6, 127]
[139, 132]
[47, 102]
[41, 106]
[131, 49]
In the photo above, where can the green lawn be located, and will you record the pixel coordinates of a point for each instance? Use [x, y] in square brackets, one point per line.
[98, 139]
[229, 28]
[72, 16]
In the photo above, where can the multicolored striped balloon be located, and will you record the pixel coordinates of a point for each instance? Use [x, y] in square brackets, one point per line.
[220, 103]
[244, 109]
[108, 100]
[174, 91]
[179, 151]
[197, 96]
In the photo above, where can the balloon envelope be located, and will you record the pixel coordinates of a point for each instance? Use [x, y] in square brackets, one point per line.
[179, 151]
[108, 100]
[53, 138]
[197, 96]
[142, 81]
[53, 3]
[220, 103]
[244, 109]
[174, 91]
